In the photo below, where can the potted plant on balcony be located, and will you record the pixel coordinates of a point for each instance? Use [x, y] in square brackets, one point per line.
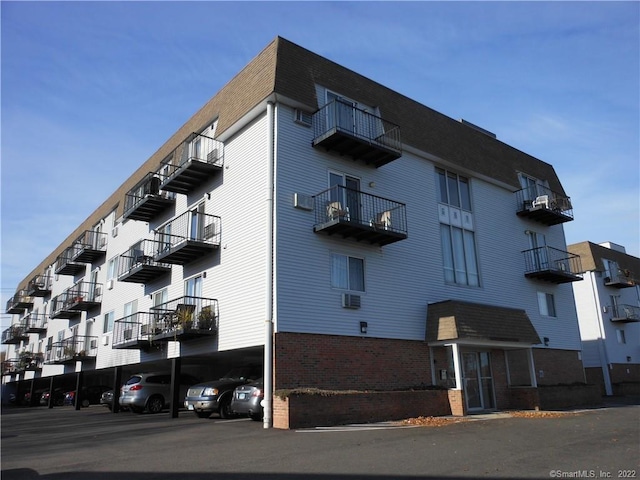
[185, 319]
[206, 318]
[69, 352]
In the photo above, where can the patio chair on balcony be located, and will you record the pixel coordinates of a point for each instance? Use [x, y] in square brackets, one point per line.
[335, 210]
[541, 201]
[382, 220]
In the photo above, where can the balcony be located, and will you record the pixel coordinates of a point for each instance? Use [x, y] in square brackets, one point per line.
[14, 335]
[39, 286]
[66, 266]
[621, 279]
[36, 322]
[625, 313]
[137, 265]
[73, 349]
[146, 200]
[83, 296]
[552, 265]
[30, 361]
[543, 205]
[195, 161]
[89, 247]
[19, 302]
[187, 237]
[354, 214]
[185, 318]
[342, 128]
[134, 332]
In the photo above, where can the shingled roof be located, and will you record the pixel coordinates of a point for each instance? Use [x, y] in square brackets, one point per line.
[592, 254]
[456, 320]
[290, 71]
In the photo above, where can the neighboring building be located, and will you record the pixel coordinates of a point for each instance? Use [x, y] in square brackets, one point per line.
[350, 236]
[608, 302]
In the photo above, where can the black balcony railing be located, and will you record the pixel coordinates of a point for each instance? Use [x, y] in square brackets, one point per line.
[341, 127]
[72, 349]
[39, 286]
[66, 266]
[10, 366]
[187, 237]
[19, 302]
[361, 216]
[81, 297]
[192, 163]
[620, 279]
[183, 318]
[30, 361]
[14, 334]
[89, 247]
[625, 313]
[146, 200]
[36, 322]
[137, 265]
[134, 331]
[552, 265]
[543, 205]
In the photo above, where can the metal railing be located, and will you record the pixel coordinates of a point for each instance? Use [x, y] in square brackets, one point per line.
[133, 328]
[546, 258]
[345, 117]
[195, 148]
[620, 277]
[188, 313]
[65, 258]
[140, 254]
[14, 333]
[196, 226]
[359, 208]
[36, 321]
[19, 301]
[39, 283]
[150, 185]
[30, 360]
[89, 240]
[72, 348]
[80, 293]
[629, 313]
[539, 196]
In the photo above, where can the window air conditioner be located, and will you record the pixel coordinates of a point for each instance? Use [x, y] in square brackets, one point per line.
[114, 232]
[109, 284]
[105, 340]
[350, 301]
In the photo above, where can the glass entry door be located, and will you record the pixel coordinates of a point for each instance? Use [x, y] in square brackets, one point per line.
[478, 382]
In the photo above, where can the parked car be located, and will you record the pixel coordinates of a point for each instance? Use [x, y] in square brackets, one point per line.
[58, 397]
[106, 399]
[151, 392]
[215, 396]
[89, 395]
[247, 400]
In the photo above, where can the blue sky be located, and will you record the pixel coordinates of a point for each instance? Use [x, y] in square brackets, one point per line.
[91, 89]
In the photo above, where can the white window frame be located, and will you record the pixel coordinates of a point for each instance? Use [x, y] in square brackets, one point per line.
[547, 304]
[109, 320]
[336, 283]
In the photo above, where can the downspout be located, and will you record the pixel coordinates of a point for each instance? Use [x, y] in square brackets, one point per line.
[268, 324]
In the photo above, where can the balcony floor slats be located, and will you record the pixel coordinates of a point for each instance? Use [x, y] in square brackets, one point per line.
[88, 255]
[148, 207]
[185, 252]
[37, 291]
[359, 232]
[182, 334]
[71, 269]
[554, 276]
[189, 176]
[545, 216]
[143, 273]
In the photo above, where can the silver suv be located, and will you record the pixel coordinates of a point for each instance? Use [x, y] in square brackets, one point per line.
[151, 391]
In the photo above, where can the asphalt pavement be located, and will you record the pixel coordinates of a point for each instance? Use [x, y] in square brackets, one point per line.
[62, 443]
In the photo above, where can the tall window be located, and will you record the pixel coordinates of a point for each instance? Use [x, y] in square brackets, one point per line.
[546, 304]
[456, 229]
[112, 268]
[108, 322]
[347, 272]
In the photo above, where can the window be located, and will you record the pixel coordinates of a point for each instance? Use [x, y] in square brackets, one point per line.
[546, 304]
[108, 322]
[453, 189]
[621, 336]
[112, 268]
[347, 272]
[459, 256]
[160, 297]
[193, 287]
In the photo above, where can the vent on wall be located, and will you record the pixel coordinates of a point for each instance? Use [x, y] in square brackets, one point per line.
[350, 301]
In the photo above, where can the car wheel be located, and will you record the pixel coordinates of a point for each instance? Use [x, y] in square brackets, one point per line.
[203, 414]
[85, 403]
[224, 409]
[155, 404]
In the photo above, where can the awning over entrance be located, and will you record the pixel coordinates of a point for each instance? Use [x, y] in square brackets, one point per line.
[454, 320]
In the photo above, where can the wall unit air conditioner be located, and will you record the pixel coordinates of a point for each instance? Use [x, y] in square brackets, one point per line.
[109, 284]
[114, 232]
[128, 334]
[93, 344]
[105, 340]
[350, 301]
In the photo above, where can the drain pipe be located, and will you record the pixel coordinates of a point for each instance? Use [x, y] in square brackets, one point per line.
[268, 324]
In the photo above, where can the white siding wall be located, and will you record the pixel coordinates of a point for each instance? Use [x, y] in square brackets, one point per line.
[401, 278]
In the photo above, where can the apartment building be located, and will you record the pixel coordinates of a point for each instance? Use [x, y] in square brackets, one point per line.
[608, 303]
[338, 233]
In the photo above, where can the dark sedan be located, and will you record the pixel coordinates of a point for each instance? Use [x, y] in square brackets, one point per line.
[247, 400]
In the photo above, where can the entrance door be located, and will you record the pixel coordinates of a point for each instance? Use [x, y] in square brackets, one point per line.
[478, 382]
[346, 190]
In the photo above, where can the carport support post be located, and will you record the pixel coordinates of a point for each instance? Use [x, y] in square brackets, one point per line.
[77, 398]
[32, 390]
[117, 379]
[175, 386]
[50, 405]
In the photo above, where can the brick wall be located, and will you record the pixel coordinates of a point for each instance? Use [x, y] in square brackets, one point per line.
[625, 372]
[349, 363]
[558, 366]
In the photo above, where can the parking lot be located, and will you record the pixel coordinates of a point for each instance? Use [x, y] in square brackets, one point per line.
[92, 443]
